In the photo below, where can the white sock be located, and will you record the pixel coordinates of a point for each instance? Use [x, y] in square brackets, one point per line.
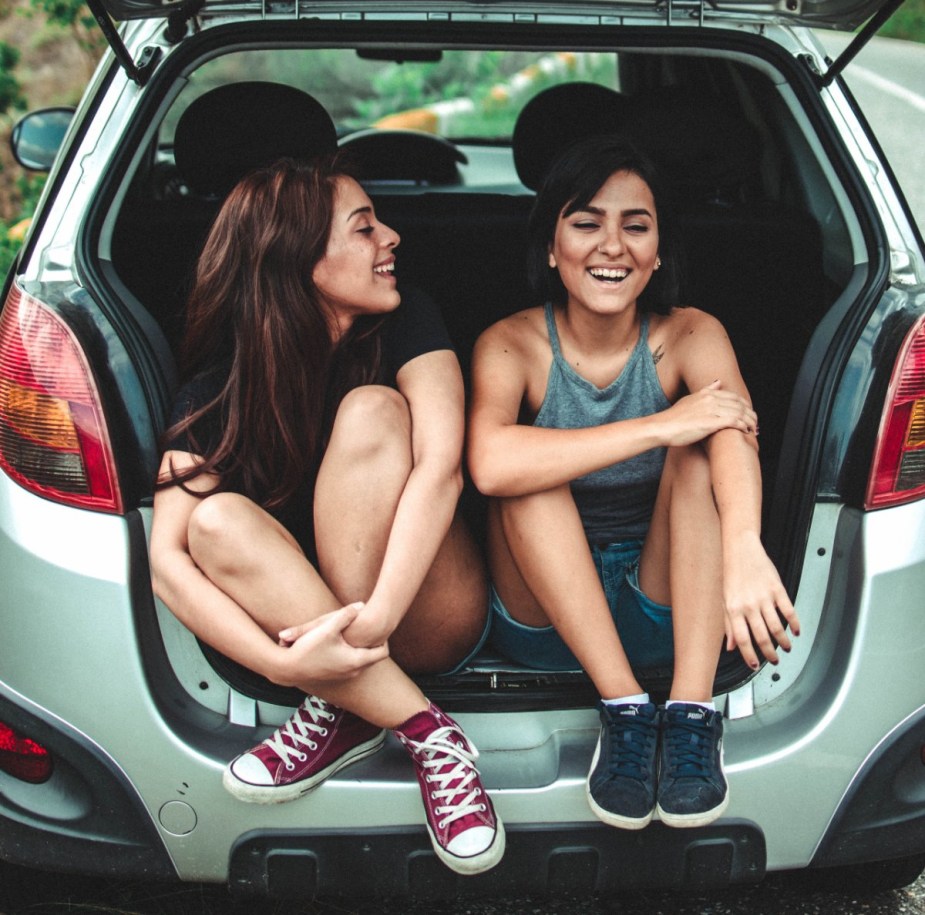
[640, 699]
[709, 706]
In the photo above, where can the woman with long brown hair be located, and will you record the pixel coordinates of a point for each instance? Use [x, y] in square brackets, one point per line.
[305, 516]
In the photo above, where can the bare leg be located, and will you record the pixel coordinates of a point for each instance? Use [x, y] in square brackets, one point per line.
[253, 559]
[360, 482]
[681, 565]
[539, 539]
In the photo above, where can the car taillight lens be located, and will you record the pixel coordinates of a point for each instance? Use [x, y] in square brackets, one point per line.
[22, 757]
[53, 435]
[898, 473]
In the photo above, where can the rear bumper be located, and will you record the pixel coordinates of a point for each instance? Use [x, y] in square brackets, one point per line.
[82, 655]
[882, 816]
[85, 819]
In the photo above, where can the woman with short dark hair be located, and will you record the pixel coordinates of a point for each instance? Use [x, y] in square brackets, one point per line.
[616, 437]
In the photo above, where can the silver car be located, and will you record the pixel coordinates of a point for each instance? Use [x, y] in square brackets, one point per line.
[115, 723]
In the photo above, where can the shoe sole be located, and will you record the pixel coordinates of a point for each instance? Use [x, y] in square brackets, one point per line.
[691, 820]
[279, 794]
[608, 817]
[476, 864]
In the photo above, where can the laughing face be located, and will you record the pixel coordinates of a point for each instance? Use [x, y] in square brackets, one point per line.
[356, 276]
[607, 251]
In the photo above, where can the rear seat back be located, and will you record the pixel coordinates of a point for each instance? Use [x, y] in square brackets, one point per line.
[467, 251]
[221, 136]
[756, 265]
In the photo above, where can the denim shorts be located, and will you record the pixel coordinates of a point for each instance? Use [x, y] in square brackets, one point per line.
[644, 626]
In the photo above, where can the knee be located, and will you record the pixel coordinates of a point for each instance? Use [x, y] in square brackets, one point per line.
[687, 468]
[216, 523]
[372, 419]
[684, 460]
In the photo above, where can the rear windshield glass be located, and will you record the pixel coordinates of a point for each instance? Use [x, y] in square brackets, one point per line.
[470, 95]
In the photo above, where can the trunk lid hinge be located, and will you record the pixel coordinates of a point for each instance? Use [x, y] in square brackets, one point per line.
[871, 27]
[689, 9]
[139, 72]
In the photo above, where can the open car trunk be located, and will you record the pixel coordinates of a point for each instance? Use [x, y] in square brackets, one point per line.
[769, 243]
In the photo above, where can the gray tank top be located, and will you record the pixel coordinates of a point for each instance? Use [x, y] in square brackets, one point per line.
[616, 502]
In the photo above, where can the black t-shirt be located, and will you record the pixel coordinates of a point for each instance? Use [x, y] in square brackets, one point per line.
[413, 329]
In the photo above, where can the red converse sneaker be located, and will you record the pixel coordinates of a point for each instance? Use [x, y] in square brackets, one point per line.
[313, 744]
[464, 830]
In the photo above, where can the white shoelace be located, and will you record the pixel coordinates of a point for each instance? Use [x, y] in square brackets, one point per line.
[298, 730]
[439, 750]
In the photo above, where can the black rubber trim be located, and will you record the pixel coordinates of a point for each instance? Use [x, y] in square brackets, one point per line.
[539, 858]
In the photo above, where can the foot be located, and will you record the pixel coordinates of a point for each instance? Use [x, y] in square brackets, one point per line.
[621, 784]
[464, 830]
[317, 741]
[692, 788]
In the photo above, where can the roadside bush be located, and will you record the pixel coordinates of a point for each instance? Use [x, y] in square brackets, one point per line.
[907, 22]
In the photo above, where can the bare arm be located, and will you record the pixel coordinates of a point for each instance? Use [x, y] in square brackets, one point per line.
[752, 588]
[510, 459]
[432, 384]
[320, 654]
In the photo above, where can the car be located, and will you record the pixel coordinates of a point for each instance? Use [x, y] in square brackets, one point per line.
[115, 724]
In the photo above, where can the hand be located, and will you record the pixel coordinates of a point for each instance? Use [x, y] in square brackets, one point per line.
[697, 416]
[755, 601]
[318, 651]
[369, 628]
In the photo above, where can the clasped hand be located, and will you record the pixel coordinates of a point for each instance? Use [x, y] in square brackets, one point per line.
[321, 650]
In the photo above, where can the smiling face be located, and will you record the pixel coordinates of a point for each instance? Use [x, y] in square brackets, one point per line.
[356, 276]
[606, 251]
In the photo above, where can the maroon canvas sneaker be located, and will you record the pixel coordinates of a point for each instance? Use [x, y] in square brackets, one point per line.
[464, 830]
[312, 745]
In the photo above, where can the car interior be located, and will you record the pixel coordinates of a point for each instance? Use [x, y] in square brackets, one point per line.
[764, 240]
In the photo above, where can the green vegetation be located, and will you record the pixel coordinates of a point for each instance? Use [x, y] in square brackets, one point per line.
[11, 231]
[907, 22]
[51, 22]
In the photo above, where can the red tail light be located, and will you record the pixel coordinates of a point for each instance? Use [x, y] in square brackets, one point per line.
[898, 473]
[23, 758]
[53, 435]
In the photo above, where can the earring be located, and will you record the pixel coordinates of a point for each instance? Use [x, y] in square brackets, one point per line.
[658, 262]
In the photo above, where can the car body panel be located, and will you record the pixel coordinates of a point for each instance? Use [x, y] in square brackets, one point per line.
[86, 645]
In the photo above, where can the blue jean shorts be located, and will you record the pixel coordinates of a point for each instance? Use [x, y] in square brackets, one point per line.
[644, 626]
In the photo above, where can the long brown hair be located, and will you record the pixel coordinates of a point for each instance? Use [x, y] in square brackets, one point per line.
[254, 313]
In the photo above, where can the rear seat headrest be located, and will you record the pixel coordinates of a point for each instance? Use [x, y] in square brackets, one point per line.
[557, 117]
[704, 152]
[236, 128]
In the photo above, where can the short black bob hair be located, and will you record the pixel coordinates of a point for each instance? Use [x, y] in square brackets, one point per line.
[573, 179]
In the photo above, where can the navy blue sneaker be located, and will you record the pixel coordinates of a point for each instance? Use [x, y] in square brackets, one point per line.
[692, 788]
[621, 784]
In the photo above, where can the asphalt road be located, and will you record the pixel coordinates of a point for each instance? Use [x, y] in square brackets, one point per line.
[888, 81]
